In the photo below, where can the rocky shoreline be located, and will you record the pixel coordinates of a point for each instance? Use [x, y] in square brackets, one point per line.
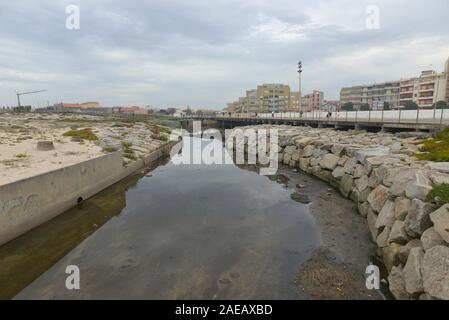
[389, 185]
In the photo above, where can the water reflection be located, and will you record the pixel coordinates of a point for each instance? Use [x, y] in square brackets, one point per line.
[186, 232]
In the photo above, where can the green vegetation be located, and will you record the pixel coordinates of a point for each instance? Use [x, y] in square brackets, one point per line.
[159, 136]
[440, 105]
[109, 149]
[364, 107]
[436, 149]
[441, 193]
[83, 134]
[410, 105]
[348, 106]
[158, 129]
[21, 155]
[127, 151]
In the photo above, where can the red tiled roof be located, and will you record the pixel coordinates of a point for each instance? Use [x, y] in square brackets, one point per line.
[71, 105]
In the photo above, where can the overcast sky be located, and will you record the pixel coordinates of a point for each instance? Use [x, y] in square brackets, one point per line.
[207, 53]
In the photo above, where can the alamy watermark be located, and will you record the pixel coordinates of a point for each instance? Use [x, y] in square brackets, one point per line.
[72, 21]
[72, 282]
[372, 277]
[249, 146]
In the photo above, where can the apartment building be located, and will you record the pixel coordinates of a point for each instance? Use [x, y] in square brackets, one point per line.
[351, 94]
[312, 101]
[267, 98]
[274, 97]
[424, 90]
[294, 101]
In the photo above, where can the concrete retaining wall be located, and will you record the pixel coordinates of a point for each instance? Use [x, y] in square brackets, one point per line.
[27, 203]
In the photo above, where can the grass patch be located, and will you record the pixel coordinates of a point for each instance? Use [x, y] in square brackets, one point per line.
[109, 149]
[436, 149]
[159, 136]
[127, 151]
[441, 193]
[158, 129]
[21, 155]
[83, 134]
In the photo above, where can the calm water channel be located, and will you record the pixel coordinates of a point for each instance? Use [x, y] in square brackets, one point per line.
[176, 231]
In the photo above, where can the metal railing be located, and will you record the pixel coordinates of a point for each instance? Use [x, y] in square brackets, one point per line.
[419, 116]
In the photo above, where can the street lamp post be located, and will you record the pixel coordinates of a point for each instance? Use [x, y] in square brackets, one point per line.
[299, 93]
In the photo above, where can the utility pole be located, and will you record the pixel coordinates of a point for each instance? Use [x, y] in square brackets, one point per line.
[300, 95]
[23, 93]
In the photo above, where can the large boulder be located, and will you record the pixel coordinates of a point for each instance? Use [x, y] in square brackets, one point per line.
[396, 284]
[435, 272]
[304, 164]
[382, 238]
[398, 234]
[361, 183]
[359, 196]
[440, 219]
[430, 238]
[419, 187]
[287, 158]
[361, 155]
[338, 149]
[376, 176]
[404, 251]
[401, 206]
[338, 172]
[390, 255]
[390, 175]
[400, 181]
[329, 161]
[350, 165]
[289, 149]
[371, 219]
[412, 271]
[346, 185]
[378, 197]
[363, 208]
[307, 151]
[386, 215]
[438, 166]
[418, 218]
[359, 171]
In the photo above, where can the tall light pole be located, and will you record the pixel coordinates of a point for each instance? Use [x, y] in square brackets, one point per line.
[299, 93]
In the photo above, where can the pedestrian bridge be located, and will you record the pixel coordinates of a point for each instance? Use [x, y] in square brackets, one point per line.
[392, 120]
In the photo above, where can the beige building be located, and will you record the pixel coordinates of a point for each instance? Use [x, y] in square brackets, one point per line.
[294, 101]
[425, 90]
[90, 105]
[275, 97]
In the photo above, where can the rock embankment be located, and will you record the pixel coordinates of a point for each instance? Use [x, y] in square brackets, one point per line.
[389, 185]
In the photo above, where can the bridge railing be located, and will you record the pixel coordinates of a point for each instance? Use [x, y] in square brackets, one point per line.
[433, 116]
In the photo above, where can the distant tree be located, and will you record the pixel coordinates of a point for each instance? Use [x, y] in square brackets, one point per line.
[440, 105]
[410, 105]
[188, 111]
[364, 107]
[22, 109]
[171, 111]
[348, 106]
[386, 105]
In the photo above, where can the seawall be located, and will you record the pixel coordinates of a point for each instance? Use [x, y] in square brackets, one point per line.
[27, 203]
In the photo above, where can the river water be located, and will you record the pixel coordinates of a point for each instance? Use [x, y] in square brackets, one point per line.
[173, 232]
